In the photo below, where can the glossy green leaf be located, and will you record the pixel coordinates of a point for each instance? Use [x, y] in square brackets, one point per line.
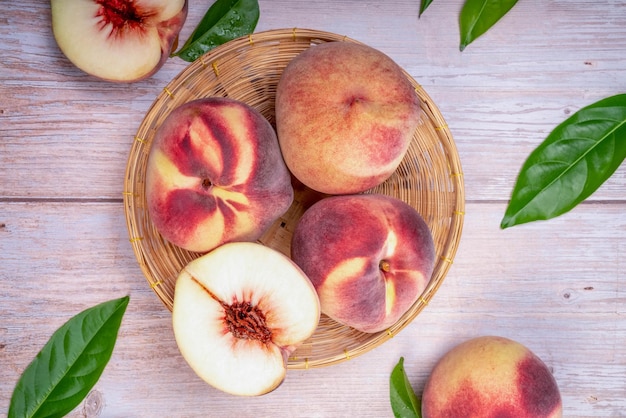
[70, 363]
[424, 5]
[573, 161]
[478, 16]
[224, 21]
[404, 403]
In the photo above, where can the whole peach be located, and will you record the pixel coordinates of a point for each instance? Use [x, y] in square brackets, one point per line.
[215, 174]
[345, 116]
[369, 257]
[488, 377]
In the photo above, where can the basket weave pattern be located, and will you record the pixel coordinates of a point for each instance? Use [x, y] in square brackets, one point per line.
[248, 69]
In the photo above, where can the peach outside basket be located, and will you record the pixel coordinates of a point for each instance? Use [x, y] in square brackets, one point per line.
[248, 69]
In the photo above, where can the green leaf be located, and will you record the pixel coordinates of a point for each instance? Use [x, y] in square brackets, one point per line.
[478, 16]
[70, 363]
[424, 5]
[224, 21]
[573, 161]
[404, 403]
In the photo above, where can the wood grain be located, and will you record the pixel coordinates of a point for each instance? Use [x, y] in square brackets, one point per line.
[557, 286]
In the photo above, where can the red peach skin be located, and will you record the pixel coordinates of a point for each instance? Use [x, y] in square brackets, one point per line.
[369, 257]
[345, 116]
[489, 377]
[215, 174]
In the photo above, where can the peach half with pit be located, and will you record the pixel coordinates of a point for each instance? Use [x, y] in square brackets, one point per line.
[491, 376]
[345, 116]
[239, 312]
[118, 40]
[215, 174]
[369, 256]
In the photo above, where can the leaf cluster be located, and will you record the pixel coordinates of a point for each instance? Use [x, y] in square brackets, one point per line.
[575, 159]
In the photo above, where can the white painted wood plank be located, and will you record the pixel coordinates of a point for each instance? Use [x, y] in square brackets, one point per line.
[555, 286]
[500, 97]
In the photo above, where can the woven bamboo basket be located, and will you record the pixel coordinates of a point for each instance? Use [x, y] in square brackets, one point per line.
[248, 69]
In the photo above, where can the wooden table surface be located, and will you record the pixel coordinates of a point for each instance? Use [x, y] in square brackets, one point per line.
[557, 286]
